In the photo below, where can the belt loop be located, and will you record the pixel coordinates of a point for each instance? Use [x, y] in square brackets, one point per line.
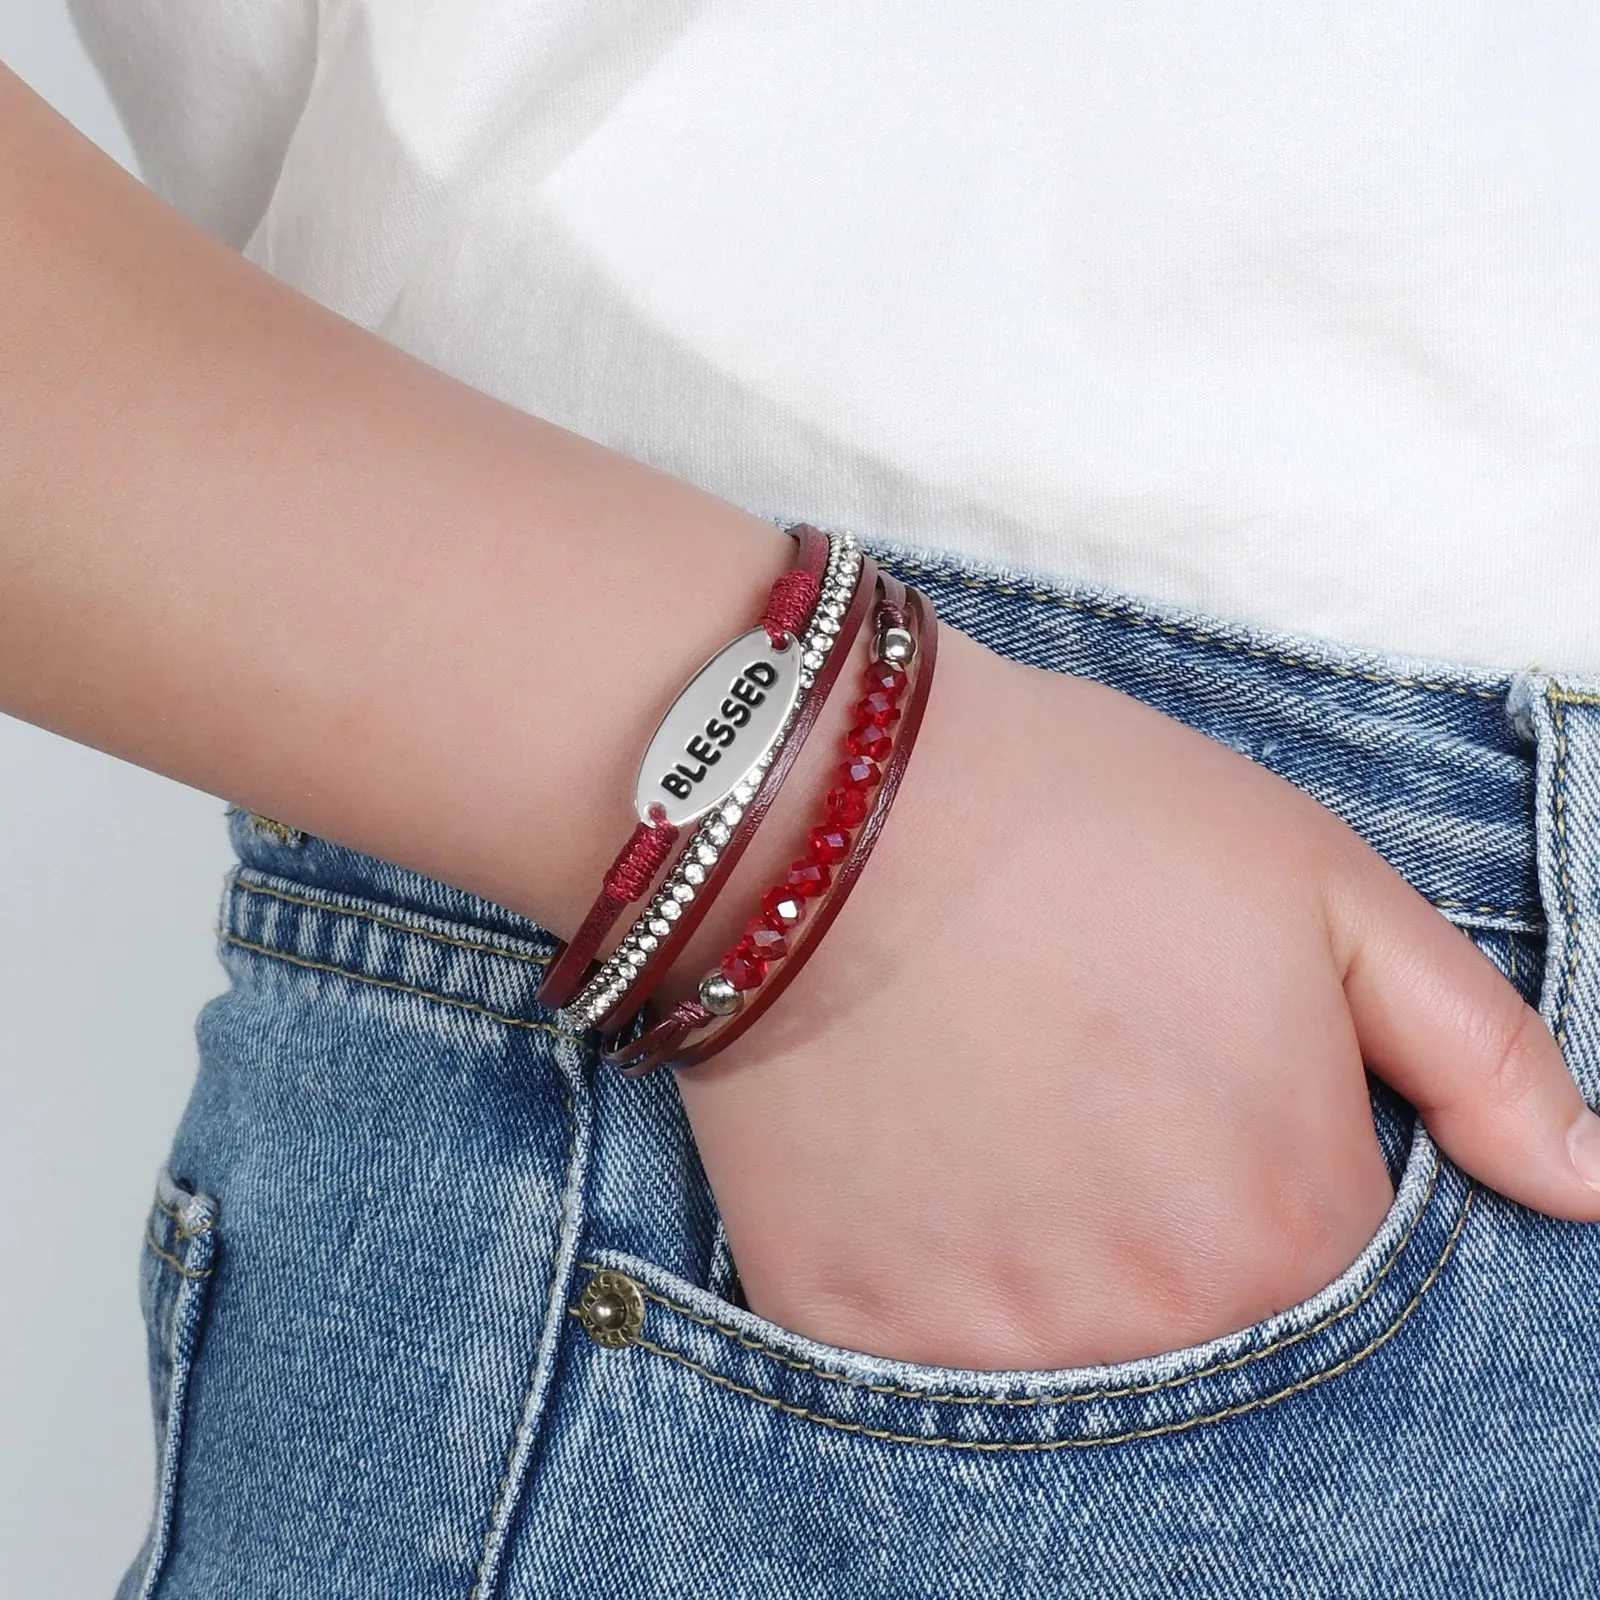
[1565, 722]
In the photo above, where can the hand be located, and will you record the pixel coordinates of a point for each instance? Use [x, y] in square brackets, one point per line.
[1077, 1076]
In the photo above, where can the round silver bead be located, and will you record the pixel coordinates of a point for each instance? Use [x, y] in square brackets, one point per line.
[659, 927]
[683, 893]
[694, 873]
[897, 647]
[671, 910]
[812, 659]
[731, 813]
[706, 855]
[718, 996]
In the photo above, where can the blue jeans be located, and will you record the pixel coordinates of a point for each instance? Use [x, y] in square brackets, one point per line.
[397, 1176]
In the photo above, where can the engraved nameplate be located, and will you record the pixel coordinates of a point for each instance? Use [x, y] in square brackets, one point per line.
[719, 728]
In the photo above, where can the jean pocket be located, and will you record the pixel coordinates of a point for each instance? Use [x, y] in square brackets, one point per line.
[670, 1348]
[180, 1252]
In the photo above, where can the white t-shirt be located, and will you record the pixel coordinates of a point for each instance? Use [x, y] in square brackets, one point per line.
[1281, 309]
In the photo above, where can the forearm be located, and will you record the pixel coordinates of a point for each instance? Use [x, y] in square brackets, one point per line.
[249, 545]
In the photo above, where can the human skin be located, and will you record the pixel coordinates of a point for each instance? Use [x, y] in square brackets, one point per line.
[1092, 1088]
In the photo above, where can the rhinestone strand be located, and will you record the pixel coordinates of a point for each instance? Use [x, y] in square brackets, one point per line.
[611, 983]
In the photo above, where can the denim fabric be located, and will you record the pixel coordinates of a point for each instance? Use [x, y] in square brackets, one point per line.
[397, 1175]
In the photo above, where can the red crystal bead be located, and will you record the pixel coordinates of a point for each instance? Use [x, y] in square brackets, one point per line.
[878, 708]
[829, 844]
[859, 773]
[886, 679]
[783, 908]
[743, 968]
[764, 940]
[846, 807]
[873, 743]
[808, 878]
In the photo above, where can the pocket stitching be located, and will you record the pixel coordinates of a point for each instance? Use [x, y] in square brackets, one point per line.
[309, 965]
[184, 1231]
[1231, 1364]
[172, 1261]
[1039, 1446]
[247, 886]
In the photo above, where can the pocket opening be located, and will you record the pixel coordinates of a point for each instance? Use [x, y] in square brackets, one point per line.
[691, 1335]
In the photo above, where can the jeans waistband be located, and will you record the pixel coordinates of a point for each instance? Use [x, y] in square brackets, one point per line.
[1434, 763]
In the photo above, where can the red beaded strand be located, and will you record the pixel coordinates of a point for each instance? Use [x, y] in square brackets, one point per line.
[720, 1014]
[783, 906]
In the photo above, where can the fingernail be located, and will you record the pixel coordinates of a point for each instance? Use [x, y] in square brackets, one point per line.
[1583, 1148]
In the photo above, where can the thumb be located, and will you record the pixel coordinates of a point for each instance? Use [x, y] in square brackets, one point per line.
[1438, 1023]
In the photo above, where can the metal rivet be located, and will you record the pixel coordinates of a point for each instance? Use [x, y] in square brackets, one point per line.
[611, 1310]
[277, 832]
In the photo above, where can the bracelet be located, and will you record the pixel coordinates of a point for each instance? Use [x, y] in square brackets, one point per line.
[745, 985]
[750, 685]
[644, 956]
[792, 596]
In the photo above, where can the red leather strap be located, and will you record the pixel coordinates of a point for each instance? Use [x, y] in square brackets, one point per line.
[672, 946]
[628, 880]
[666, 1041]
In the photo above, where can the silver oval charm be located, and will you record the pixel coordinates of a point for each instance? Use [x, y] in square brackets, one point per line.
[719, 728]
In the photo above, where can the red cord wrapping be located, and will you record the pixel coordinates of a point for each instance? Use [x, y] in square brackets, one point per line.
[790, 604]
[636, 867]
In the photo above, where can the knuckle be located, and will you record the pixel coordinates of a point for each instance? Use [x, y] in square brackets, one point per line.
[1515, 1046]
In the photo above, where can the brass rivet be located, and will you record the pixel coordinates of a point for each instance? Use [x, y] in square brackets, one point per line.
[611, 1309]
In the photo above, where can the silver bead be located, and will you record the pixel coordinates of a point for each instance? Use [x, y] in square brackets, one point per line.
[683, 893]
[671, 910]
[731, 813]
[694, 873]
[648, 941]
[659, 927]
[718, 833]
[718, 996]
[897, 647]
[706, 855]
[812, 659]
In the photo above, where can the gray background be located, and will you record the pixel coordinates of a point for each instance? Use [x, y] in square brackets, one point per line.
[109, 880]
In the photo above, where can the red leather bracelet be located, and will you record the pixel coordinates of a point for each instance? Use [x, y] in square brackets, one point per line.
[667, 1041]
[659, 961]
[789, 603]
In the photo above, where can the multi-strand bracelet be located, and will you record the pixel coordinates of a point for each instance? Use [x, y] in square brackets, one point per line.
[718, 758]
[795, 913]
[709, 777]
